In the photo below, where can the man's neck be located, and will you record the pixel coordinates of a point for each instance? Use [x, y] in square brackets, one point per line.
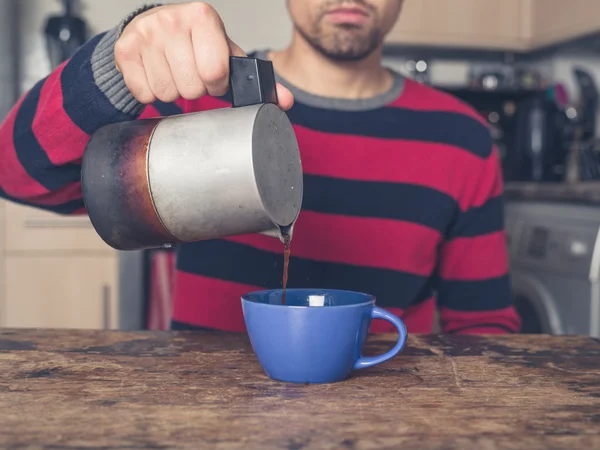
[309, 70]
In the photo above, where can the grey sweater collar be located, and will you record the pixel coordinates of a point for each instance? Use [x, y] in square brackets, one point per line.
[341, 103]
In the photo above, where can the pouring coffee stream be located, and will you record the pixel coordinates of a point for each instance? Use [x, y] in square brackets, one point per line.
[155, 182]
[287, 241]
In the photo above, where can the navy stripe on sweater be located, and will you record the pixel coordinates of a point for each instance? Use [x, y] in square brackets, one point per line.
[214, 258]
[477, 221]
[454, 129]
[30, 153]
[475, 295]
[167, 109]
[84, 102]
[381, 200]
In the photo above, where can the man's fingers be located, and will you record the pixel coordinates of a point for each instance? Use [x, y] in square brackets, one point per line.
[211, 52]
[136, 81]
[179, 51]
[129, 62]
[234, 49]
[159, 74]
[284, 97]
[180, 56]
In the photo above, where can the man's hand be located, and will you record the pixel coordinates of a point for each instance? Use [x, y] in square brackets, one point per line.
[177, 51]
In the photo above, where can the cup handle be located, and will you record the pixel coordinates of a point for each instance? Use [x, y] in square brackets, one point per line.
[379, 313]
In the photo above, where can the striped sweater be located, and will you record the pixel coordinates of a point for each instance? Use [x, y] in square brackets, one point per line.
[402, 198]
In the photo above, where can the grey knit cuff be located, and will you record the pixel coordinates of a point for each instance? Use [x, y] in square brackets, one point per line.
[108, 79]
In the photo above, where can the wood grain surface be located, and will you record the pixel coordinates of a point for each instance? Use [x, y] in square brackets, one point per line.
[163, 390]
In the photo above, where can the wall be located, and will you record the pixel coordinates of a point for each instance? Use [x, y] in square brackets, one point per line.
[8, 56]
[248, 25]
[245, 22]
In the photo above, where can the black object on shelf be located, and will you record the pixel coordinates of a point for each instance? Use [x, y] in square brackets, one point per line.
[525, 127]
[64, 34]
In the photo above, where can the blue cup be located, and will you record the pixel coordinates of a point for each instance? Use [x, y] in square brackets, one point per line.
[317, 336]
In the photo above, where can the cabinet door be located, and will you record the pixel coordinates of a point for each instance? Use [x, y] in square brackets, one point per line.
[468, 23]
[60, 292]
[557, 20]
[32, 229]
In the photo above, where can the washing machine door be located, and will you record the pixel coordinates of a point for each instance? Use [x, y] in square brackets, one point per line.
[535, 305]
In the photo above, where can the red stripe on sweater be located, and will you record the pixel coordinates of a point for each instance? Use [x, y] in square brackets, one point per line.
[14, 180]
[392, 244]
[209, 302]
[205, 103]
[470, 257]
[423, 163]
[418, 319]
[457, 320]
[149, 112]
[420, 97]
[181, 102]
[487, 184]
[414, 162]
[212, 303]
[63, 195]
[53, 128]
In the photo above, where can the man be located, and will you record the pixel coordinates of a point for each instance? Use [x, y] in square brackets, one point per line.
[403, 190]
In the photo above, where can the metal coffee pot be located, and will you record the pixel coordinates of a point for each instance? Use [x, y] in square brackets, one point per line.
[155, 182]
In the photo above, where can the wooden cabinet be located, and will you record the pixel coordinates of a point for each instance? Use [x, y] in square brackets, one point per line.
[463, 23]
[31, 229]
[61, 292]
[55, 271]
[558, 20]
[518, 25]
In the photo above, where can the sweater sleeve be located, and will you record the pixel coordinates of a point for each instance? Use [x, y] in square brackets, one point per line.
[474, 292]
[43, 138]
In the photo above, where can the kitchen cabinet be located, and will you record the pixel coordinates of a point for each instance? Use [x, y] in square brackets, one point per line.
[55, 271]
[558, 20]
[61, 292]
[31, 229]
[519, 25]
[464, 23]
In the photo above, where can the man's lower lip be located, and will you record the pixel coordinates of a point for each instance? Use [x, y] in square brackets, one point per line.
[354, 18]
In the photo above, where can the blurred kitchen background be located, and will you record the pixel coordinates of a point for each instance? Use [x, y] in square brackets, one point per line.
[530, 67]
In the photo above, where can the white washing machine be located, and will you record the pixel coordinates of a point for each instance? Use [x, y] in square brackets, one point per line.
[555, 266]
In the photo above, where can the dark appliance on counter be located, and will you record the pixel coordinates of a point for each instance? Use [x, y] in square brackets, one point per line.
[526, 128]
[581, 115]
[535, 128]
[64, 34]
[583, 162]
[538, 153]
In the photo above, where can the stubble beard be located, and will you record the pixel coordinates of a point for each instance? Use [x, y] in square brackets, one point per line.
[345, 44]
[341, 42]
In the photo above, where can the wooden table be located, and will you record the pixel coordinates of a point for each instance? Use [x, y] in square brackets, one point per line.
[160, 390]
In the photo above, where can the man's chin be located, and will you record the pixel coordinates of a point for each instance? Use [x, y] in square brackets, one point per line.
[344, 45]
[347, 56]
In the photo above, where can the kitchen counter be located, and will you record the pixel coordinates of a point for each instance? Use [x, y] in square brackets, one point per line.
[160, 390]
[586, 193]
